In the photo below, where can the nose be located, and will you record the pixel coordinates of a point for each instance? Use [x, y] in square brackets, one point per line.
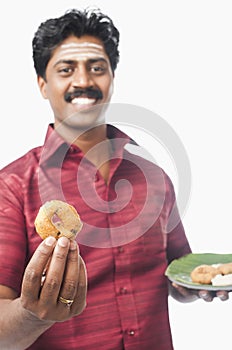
[81, 77]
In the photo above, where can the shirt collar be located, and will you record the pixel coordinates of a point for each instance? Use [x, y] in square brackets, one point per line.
[54, 143]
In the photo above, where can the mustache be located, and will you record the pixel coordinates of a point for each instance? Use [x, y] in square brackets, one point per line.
[88, 92]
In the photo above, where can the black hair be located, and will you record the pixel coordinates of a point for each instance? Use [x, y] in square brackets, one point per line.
[53, 31]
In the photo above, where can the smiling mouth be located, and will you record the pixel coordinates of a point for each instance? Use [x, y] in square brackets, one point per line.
[83, 97]
[83, 101]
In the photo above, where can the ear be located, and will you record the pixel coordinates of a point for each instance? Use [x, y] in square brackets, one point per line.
[42, 86]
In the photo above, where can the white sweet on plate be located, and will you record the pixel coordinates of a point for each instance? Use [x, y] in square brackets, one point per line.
[222, 280]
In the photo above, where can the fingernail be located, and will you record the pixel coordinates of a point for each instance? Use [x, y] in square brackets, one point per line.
[63, 242]
[73, 245]
[203, 295]
[222, 297]
[49, 241]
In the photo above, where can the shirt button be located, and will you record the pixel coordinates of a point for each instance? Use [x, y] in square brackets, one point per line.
[131, 332]
[123, 290]
[120, 249]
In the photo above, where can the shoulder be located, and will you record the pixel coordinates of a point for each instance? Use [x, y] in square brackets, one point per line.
[143, 160]
[16, 174]
[18, 166]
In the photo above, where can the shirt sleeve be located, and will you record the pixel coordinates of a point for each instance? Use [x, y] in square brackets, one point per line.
[12, 232]
[177, 244]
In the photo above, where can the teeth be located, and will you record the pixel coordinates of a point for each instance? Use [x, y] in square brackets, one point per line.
[83, 101]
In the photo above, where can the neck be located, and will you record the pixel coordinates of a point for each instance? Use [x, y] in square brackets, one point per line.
[94, 144]
[97, 149]
[84, 139]
[90, 138]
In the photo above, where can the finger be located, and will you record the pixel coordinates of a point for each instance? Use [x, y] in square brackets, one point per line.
[80, 297]
[183, 291]
[71, 274]
[205, 295]
[52, 284]
[222, 295]
[32, 277]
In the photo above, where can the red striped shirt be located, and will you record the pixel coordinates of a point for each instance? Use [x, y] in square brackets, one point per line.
[124, 241]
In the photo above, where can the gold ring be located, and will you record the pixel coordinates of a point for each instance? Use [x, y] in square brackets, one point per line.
[67, 302]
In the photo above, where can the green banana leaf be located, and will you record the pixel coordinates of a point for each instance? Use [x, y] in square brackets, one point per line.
[179, 269]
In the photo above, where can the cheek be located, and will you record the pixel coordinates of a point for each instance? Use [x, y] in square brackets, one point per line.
[109, 90]
[55, 94]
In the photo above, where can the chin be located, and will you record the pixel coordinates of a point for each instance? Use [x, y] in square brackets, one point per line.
[76, 124]
[87, 117]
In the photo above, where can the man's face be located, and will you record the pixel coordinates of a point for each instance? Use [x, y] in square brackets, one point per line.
[78, 80]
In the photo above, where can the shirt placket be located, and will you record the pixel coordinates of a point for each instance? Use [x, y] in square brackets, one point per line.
[125, 296]
[124, 293]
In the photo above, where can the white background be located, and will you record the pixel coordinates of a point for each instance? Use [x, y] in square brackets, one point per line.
[176, 60]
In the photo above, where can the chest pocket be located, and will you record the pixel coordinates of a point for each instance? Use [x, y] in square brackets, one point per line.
[154, 240]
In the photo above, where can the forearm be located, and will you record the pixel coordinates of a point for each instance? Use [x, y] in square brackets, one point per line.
[18, 327]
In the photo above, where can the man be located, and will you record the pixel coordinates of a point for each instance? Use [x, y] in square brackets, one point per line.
[128, 237]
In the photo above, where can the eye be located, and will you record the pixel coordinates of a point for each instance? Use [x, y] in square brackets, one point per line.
[65, 71]
[97, 69]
